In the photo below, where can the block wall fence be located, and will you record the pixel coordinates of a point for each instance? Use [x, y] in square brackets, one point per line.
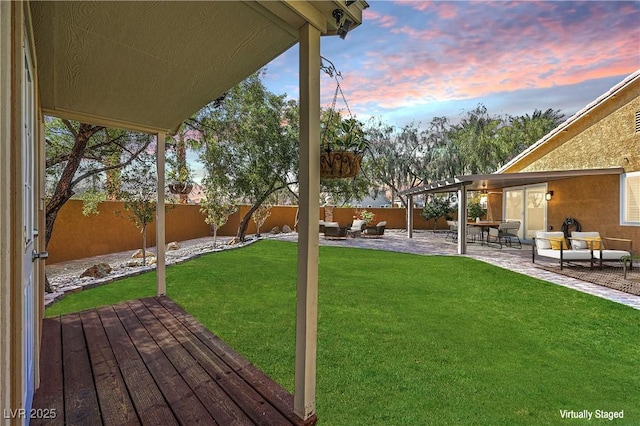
[76, 236]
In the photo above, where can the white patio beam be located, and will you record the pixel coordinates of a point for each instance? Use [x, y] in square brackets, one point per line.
[161, 285]
[462, 219]
[308, 238]
[410, 216]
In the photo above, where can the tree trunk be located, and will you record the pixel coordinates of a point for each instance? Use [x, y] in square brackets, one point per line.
[215, 234]
[144, 244]
[64, 189]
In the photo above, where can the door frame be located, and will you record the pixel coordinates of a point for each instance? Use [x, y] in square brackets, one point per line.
[523, 217]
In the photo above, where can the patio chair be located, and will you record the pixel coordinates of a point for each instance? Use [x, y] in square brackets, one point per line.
[321, 226]
[596, 244]
[333, 230]
[506, 232]
[453, 230]
[554, 245]
[375, 231]
[474, 233]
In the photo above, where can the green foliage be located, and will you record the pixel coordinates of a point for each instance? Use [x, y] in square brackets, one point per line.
[139, 194]
[256, 131]
[366, 215]
[464, 343]
[396, 157]
[475, 209]
[437, 206]
[91, 199]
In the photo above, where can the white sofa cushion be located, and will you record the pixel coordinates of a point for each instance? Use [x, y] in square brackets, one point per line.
[331, 225]
[579, 243]
[383, 223]
[543, 239]
[357, 225]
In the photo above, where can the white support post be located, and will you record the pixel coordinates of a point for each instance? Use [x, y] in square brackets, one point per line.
[161, 284]
[304, 403]
[462, 219]
[410, 216]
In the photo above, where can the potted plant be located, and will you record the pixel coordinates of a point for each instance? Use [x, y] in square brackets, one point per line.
[180, 181]
[342, 149]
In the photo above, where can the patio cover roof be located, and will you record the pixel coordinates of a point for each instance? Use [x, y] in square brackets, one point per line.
[498, 181]
[148, 66]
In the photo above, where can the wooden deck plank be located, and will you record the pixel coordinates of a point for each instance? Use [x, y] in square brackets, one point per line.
[50, 394]
[212, 396]
[272, 392]
[149, 402]
[185, 405]
[150, 362]
[80, 399]
[115, 403]
[255, 407]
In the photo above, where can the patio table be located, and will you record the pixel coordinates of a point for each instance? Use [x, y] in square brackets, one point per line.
[485, 225]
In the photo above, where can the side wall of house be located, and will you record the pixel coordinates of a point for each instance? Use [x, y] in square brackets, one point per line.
[7, 210]
[604, 137]
[16, 379]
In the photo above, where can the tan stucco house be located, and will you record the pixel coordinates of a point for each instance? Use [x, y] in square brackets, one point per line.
[587, 169]
[143, 66]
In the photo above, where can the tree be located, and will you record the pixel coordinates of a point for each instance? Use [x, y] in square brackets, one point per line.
[476, 139]
[260, 215]
[436, 207]
[139, 194]
[259, 131]
[79, 152]
[396, 157]
[523, 131]
[218, 203]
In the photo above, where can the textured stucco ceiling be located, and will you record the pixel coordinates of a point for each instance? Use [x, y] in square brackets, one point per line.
[149, 65]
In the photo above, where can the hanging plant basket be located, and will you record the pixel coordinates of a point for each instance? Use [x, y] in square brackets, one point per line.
[180, 188]
[339, 164]
[343, 141]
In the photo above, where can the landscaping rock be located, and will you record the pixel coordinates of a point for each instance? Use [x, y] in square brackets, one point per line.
[100, 270]
[173, 245]
[286, 229]
[275, 230]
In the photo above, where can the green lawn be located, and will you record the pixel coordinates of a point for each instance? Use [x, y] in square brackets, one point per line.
[408, 340]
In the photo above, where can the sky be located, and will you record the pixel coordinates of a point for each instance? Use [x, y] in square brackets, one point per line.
[411, 61]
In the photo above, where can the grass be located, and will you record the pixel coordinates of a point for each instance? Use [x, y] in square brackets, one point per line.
[406, 339]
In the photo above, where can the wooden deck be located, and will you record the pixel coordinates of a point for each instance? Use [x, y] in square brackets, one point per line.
[149, 362]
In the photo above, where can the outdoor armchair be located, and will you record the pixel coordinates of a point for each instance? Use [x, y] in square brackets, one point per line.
[333, 230]
[375, 231]
[506, 233]
[596, 244]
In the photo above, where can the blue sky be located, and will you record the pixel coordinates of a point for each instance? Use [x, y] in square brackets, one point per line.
[412, 61]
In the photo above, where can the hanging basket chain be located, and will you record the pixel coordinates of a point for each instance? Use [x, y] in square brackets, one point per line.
[336, 164]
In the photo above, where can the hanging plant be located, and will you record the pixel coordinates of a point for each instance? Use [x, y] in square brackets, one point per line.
[343, 140]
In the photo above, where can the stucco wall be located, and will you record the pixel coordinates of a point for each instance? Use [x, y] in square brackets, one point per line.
[76, 236]
[593, 201]
[605, 137]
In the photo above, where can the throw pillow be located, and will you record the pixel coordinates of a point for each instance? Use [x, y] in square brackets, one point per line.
[556, 243]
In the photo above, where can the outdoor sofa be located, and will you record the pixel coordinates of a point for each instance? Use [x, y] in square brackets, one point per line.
[554, 245]
[583, 246]
[375, 231]
[333, 230]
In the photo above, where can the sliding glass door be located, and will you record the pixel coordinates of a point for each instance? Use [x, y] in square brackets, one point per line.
[528, 205]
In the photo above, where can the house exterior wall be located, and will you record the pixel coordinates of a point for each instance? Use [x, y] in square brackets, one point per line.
[580, 146]
[15, 31]
[602, 137]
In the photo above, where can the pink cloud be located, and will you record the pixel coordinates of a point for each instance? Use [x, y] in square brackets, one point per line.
[490, 47]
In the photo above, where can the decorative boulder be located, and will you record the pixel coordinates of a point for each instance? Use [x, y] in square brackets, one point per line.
[286, 229]
[138, 254]
[173, 245]
[275, 230]
[100, 270]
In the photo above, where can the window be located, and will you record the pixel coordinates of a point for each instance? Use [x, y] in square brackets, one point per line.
[630, 199]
